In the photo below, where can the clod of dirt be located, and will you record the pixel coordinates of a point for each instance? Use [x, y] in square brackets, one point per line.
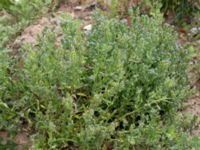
[22, 139]
[4, 136]
[29, 35]
[193, 104]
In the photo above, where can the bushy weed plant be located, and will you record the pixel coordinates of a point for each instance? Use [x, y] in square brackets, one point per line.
[16, 15]
[117, 88]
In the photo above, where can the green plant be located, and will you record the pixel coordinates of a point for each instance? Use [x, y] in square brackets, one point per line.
[24, 9]
[182, 11]
[9, 145]
[19, 15]
[117, 88]
[5, 4]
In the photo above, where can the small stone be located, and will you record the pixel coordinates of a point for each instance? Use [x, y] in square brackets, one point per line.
[78, 8]
[195, 30]
[88, 27]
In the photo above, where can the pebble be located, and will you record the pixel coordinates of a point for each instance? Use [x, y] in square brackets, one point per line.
[195, 30]
[88, 28]
[78, 8]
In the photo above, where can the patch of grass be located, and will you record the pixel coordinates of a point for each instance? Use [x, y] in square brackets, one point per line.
[17, 15]
[116, 88]
[180, 11]
[8, 145]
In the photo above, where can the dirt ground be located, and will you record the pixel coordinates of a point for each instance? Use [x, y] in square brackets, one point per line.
[31, 33]
[192, 106]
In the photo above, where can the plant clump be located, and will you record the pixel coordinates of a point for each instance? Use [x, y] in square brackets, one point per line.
[119, 87]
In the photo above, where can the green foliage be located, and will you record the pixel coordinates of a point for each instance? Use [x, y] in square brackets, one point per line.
[9, 145]
[183, 11]
[117, 88]
[5, 4]
[181, 7]
[17, 16]
[24, 9]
